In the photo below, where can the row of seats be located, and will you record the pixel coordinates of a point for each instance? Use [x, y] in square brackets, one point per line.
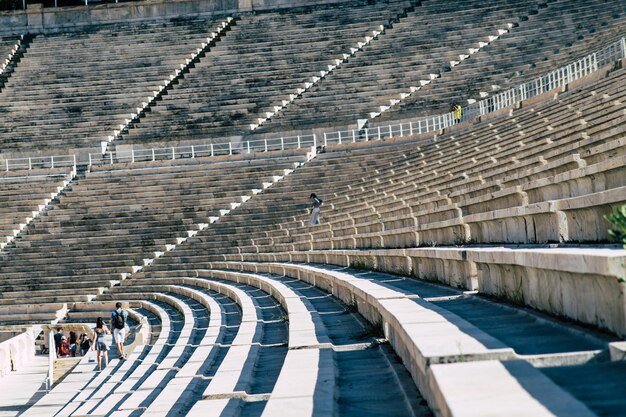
[114, 221]
[72, 90]
[222, 346]
[556, 34]
[417, 46]
[265, 58]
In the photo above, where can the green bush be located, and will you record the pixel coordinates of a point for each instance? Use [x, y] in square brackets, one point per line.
[618, 220]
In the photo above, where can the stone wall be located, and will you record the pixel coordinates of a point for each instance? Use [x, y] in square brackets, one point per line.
[37, 19]
[17, 352]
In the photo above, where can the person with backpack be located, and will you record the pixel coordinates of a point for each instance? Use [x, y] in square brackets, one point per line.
[315, 212]
[118, 324]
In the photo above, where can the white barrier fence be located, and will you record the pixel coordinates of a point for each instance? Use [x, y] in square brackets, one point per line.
[555, 79]
[36, 162]
[202, 150]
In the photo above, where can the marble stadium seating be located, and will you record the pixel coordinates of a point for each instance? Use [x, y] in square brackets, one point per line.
[465, 272]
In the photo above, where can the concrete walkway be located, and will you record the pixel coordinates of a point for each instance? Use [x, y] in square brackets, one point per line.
[20, 390]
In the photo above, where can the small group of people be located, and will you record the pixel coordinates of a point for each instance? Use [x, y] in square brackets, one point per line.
[101, 340]
[71, 347]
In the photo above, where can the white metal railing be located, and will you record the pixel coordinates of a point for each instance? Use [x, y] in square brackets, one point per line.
[555, 79]
[85, 2]
[202, 150]
[35, 162]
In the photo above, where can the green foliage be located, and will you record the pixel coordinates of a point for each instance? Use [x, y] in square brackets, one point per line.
[618, 220]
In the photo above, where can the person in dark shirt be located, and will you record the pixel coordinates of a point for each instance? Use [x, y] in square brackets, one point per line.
[315, 212]
[85, 344]
[58, 336]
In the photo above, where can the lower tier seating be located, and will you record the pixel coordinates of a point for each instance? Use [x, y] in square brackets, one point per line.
[114, 221]
[23, 197]
[221, 343]
[225, 347]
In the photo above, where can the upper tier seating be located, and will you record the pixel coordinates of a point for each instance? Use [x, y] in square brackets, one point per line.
[420, 44]
[73, 89]
[561, 32]
[261, 62]
[114, 220]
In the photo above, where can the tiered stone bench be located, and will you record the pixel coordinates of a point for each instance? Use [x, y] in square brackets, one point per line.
[377, 298]
[72, 90]
[144, 210]
[557, 35]
[265, 59]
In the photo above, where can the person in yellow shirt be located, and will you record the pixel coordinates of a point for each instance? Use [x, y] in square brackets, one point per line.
[458, 112]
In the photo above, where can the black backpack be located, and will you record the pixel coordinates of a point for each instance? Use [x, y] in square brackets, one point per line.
[118, 322]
